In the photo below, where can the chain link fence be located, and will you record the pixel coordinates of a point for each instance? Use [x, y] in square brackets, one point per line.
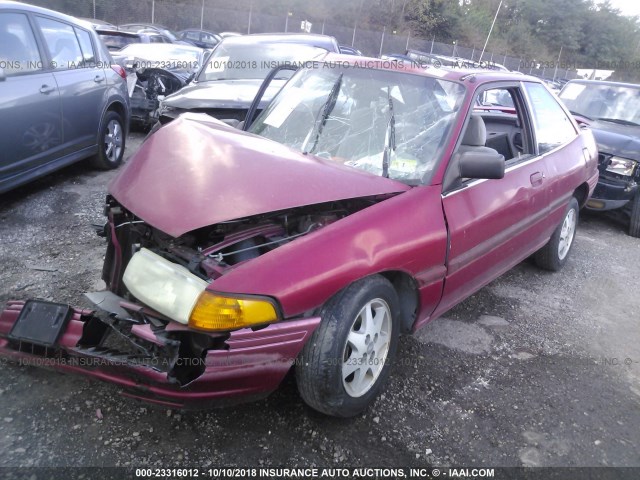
[205, 14]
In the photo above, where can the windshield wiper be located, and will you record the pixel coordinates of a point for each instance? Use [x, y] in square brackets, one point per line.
[389, 138]
[580, 115]
[620, 121]
[325, 111]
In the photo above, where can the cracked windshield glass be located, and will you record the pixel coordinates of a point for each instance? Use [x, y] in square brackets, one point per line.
[392, 124]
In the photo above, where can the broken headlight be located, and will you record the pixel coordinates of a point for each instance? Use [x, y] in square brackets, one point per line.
[164, 286]
[622, 166]
[177, 293]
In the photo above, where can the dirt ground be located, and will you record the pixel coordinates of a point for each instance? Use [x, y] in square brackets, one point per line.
[535, 369]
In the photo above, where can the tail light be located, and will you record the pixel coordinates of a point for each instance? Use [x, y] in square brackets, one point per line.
[119, 70]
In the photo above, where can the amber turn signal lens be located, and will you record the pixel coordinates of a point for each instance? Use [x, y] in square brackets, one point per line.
[217, 313]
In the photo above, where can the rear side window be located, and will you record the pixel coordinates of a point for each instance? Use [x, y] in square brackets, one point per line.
[553, 126]
[88, 54]
[156, 39]
[18, 48]
[62, 44]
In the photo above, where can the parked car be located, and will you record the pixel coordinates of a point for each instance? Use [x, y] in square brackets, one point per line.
[226, 85]
[439, 61]
[612, 111]
[150, 27]
[115, 39]
[349, 50]
[362, 203]
[155, 71]
[200, 38]
[61, 99]
[95, 23]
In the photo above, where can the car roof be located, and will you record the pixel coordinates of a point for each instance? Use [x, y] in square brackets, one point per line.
[479, 76]
[25, 7]
[314, 40]
[603, 82]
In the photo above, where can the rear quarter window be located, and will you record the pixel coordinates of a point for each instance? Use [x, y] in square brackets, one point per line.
[88, 53]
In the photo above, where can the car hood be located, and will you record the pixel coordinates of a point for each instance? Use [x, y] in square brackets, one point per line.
[197, 171]
[620, 140]
[221, 94]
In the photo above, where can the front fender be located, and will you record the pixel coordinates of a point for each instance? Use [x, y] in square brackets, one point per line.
[403, 233]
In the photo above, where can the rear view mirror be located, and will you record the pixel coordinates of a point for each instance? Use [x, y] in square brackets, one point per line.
[483, 164]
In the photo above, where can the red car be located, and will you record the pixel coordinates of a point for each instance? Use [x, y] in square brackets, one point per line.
[366, 200]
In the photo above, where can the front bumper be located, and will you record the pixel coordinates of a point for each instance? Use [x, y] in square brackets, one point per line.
[247, 366]
[611, 194]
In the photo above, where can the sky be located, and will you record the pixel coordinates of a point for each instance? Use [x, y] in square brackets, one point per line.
[627, 7]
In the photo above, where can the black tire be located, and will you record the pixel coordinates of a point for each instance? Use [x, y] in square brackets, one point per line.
[549, 257]
[109, 158]
[319, 371]
[634, 221]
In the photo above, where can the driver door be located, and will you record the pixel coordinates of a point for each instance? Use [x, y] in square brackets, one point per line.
[494, 224]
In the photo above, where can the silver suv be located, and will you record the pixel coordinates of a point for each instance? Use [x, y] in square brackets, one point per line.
[61, 97]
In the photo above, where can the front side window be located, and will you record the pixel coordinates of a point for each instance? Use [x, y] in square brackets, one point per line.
[553, 126]
[388, 123]
[62, 43]
[18, 48]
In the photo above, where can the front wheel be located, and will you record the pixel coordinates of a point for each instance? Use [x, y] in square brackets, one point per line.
[111, 142]
[554, 254]
[634, 221]
[346, 362]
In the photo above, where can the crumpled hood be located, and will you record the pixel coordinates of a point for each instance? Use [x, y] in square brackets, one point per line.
[197, 171]
[620, 140]
[221, 94]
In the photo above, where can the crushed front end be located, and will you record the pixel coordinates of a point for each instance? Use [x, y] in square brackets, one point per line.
[149, 355]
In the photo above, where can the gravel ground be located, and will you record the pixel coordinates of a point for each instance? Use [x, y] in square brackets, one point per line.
[535, 369]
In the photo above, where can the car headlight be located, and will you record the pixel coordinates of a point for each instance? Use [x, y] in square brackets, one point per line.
[174, 291]
[622, 166]
[166, 287]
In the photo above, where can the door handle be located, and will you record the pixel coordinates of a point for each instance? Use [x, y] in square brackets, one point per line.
[98, 78]
[536, 178]
[46, 89]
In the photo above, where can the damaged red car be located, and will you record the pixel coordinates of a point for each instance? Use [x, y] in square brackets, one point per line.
[367, 199]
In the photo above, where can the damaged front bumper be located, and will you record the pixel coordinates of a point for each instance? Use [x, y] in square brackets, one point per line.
[162, 363]
[613, 193]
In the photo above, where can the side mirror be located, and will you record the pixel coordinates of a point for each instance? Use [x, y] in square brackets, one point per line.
[253, 109]
[486, 163]
[2, 76]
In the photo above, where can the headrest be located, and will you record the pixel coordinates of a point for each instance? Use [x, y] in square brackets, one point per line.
[476, 133]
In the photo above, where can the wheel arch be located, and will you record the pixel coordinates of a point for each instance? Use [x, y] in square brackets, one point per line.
[582, 194]
[407, 289]
[121, 109]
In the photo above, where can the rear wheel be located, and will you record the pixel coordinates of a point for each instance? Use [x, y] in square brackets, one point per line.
[634, 222]
[111, 142]
[344, 365]
[554, 254]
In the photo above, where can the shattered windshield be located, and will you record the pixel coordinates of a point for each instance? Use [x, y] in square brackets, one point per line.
[613, 103]
[235, 61]
[389, 123]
